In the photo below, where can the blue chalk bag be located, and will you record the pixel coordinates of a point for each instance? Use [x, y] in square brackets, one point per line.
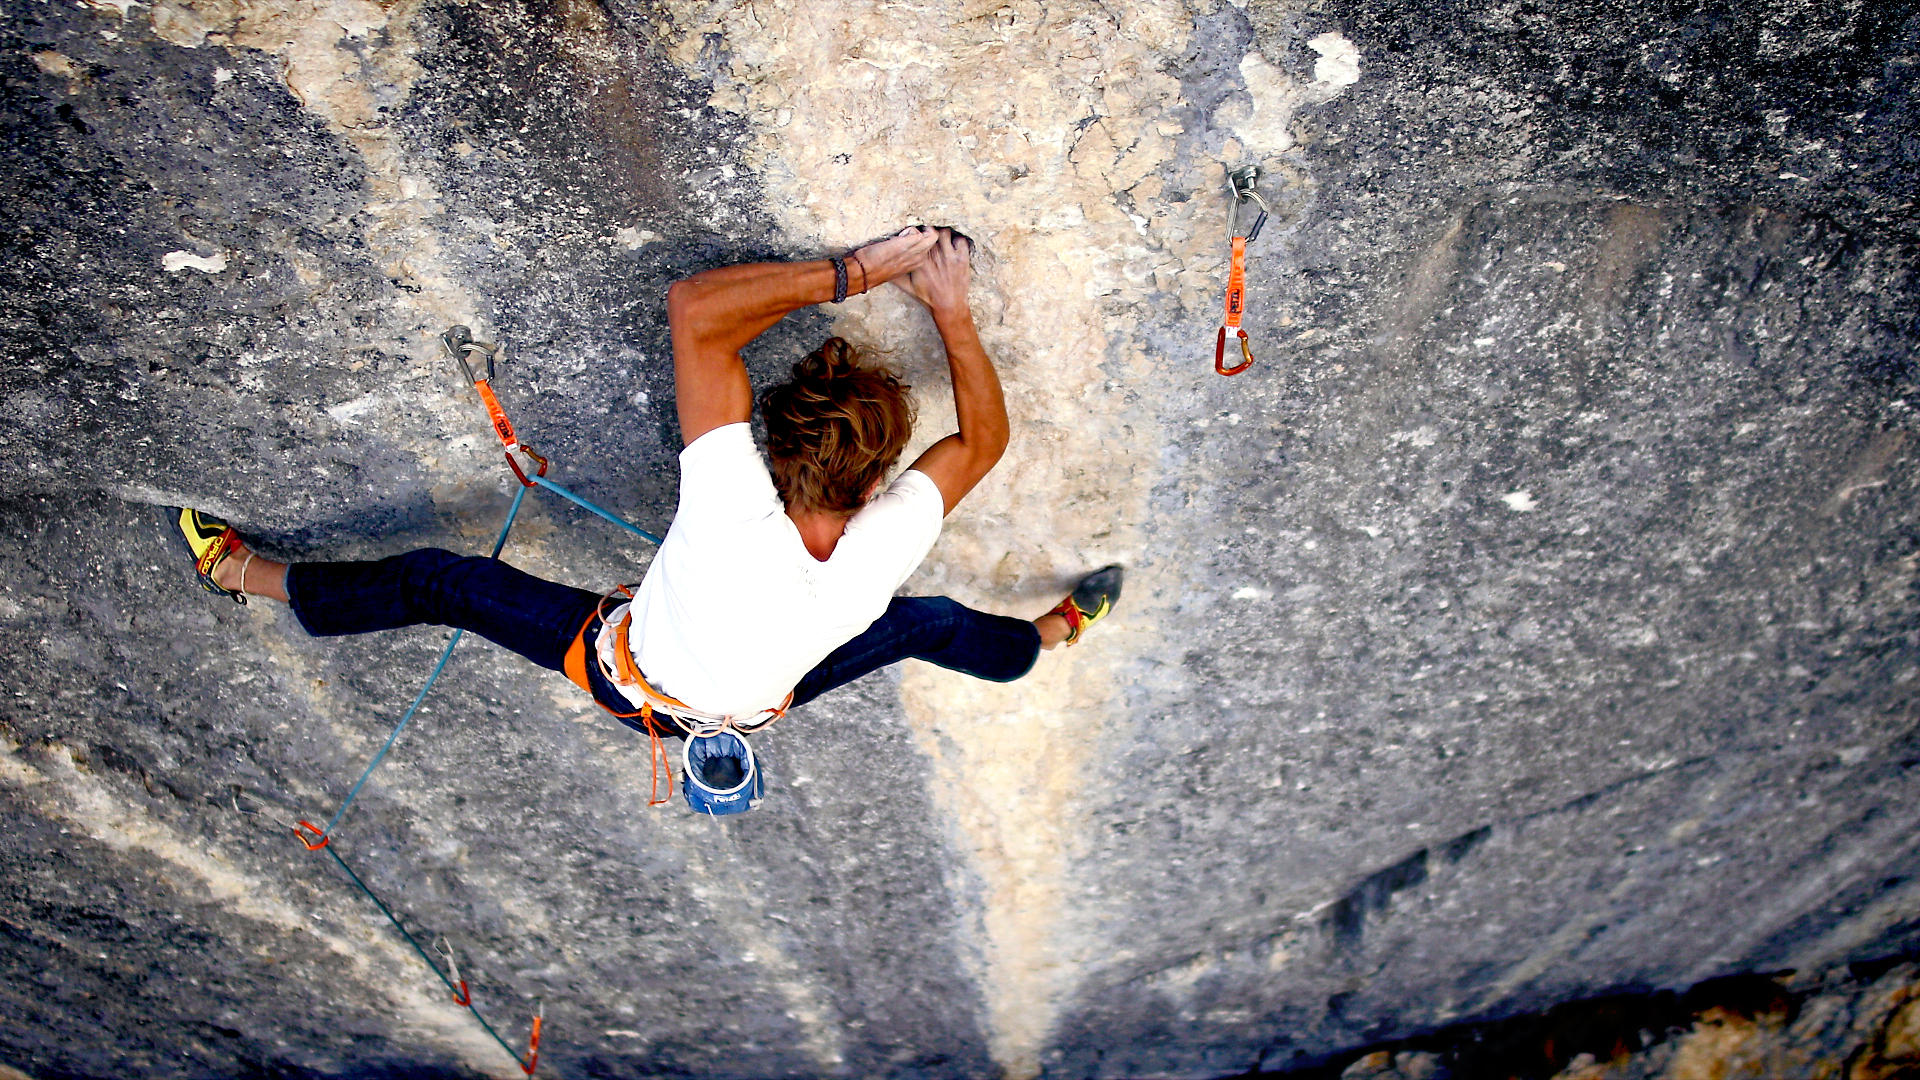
[720, 774]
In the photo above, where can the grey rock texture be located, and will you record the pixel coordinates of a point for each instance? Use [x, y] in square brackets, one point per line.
[1537, 619]
[1861, 1023]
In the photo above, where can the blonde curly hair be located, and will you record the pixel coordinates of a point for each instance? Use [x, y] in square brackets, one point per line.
[835, 429]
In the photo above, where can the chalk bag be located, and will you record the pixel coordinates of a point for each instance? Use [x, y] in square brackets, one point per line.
[720, 774]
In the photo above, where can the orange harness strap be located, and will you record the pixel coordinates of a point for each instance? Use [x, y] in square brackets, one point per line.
[575, 666]
[630, 671]
[575, 662]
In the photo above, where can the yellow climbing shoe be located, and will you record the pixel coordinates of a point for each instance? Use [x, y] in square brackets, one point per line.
[210, 541]
[1090, 601]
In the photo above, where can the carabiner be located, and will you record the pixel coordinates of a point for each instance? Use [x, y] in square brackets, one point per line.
[1240, 183]
[540, 463]
[1220, 354]
[460, 345]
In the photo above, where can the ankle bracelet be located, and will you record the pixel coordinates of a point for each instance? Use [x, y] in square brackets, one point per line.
[244, 563]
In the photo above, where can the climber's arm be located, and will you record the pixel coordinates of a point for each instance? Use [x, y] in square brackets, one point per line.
[959, 461]
[715, 313]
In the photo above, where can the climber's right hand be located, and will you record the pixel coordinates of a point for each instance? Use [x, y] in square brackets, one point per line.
[897, 255]
[941, 281]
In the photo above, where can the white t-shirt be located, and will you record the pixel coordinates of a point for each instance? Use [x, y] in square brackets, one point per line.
[734, 609]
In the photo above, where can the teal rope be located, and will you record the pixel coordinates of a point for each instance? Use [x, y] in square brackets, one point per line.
[445, 654]
[500, 542]
[585, 505]
[424, 958]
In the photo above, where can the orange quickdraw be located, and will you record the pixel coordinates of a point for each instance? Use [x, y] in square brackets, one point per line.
[1240, 181]
[305, 827]
[461, 346]
[502, 426]
[533, 1041]
[460, 995]
[1236, 305]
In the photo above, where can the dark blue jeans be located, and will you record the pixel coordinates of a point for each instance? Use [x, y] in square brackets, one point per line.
[539, 619]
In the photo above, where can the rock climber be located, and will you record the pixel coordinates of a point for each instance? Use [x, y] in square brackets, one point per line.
[772, 586]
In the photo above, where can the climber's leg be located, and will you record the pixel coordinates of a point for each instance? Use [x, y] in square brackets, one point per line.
[513, 609]
[934, 629]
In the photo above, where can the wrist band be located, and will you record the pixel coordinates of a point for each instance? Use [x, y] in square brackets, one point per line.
[839, 278]
[855, 256]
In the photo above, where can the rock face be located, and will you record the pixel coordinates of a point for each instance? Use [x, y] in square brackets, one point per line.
[1860, 1023]
[1537, 618]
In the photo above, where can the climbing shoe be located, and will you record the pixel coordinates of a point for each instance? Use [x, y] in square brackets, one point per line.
[210, 541]
[1090, 601]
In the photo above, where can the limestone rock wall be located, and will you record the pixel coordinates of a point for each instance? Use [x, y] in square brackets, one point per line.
[1860, 1022]
[1537, 618]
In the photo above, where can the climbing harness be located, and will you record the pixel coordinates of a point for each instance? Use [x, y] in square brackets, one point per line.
[613, 654]
[1241, 183]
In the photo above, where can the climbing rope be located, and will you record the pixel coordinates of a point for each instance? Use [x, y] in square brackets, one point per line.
[585, 505]
[459, 342]
[1241, 183]
[456, 986]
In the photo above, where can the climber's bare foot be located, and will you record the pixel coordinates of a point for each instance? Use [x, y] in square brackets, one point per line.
[1053, 630]
[252, 577]
[1089, 602]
